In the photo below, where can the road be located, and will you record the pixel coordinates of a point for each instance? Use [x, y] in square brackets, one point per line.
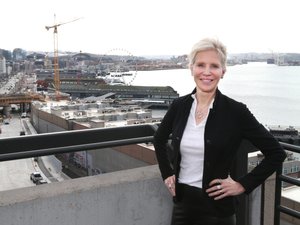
[15, 173]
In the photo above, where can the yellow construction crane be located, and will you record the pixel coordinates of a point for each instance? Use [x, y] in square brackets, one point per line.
[56, 62]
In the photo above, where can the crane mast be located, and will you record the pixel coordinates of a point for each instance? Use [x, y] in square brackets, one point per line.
[56, 65]
[56, 78]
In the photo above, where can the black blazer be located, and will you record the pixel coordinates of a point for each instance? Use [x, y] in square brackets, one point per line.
[228, 123]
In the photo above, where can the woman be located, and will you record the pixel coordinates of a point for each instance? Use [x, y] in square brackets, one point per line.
[207, 128]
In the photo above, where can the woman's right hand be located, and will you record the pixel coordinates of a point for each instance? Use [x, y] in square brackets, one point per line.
[170, 183]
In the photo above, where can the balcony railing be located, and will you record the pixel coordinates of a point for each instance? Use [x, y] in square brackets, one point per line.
[13, 148]
[278, 189]
[72, 141]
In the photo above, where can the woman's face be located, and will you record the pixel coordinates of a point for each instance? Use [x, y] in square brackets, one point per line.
[207, 71]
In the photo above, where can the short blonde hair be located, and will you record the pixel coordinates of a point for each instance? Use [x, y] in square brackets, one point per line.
[209, 44]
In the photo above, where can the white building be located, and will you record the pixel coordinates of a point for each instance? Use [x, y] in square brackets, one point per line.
[2, 65]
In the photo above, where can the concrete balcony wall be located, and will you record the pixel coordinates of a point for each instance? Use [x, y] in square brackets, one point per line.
[110, 160]
[128, 197]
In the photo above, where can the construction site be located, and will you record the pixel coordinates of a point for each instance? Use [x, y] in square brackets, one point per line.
[58, 94]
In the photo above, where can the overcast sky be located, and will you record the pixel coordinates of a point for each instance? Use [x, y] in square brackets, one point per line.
[156, 27]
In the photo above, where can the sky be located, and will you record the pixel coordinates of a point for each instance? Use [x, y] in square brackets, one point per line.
[156, 27]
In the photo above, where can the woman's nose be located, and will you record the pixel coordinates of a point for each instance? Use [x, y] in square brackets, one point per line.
[206, 70]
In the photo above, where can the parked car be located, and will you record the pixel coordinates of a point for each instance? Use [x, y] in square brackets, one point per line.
[35, 177]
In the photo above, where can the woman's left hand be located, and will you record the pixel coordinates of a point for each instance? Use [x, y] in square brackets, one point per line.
[221, 188]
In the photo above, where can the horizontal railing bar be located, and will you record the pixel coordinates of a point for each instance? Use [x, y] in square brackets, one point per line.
[74, 148]
[289, 211]
[290, 147]
[67, 140]
[290, 180]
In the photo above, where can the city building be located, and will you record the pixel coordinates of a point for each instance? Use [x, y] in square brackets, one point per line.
[2, 65]
[55, 116]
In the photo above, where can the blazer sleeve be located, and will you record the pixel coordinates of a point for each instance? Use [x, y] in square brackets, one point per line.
[273, 153]
[160, 142]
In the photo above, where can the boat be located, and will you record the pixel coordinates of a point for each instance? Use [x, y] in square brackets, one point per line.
[114, 79]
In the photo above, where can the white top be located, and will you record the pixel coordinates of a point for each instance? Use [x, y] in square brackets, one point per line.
[192, 150]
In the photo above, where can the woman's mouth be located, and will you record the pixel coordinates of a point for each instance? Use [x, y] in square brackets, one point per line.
[206, 81]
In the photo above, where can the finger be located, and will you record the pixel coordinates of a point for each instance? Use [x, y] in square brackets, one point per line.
[173, 192]
[215, 181]
[167, 180]
[220, 196]
[171, 189]
[216, 193]
[170, 180]
[170, 184]
[212, 189]
[173, 178]
[215, 189]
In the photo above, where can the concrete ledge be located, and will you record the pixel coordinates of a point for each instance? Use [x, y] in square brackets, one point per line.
[135, 196]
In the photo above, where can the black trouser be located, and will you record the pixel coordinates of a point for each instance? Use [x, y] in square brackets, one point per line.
[194, 209]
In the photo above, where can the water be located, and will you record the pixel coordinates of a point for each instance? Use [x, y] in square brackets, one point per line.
[271, 92]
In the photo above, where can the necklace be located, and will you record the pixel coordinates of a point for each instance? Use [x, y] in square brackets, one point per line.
[201, 113]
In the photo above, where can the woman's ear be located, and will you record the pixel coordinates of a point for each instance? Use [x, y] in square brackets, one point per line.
[223, 73]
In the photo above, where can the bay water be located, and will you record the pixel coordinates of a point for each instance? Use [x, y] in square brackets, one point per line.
[271, 92]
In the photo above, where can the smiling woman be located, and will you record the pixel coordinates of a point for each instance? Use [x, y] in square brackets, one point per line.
[207, 128]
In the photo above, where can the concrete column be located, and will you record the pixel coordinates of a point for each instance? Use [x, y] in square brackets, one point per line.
[6, 110]
[22, 107]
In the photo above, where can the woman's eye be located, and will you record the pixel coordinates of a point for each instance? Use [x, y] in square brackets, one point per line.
[215, 66]
[200, 65]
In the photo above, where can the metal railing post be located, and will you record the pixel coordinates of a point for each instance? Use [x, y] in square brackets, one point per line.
[277, 197]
